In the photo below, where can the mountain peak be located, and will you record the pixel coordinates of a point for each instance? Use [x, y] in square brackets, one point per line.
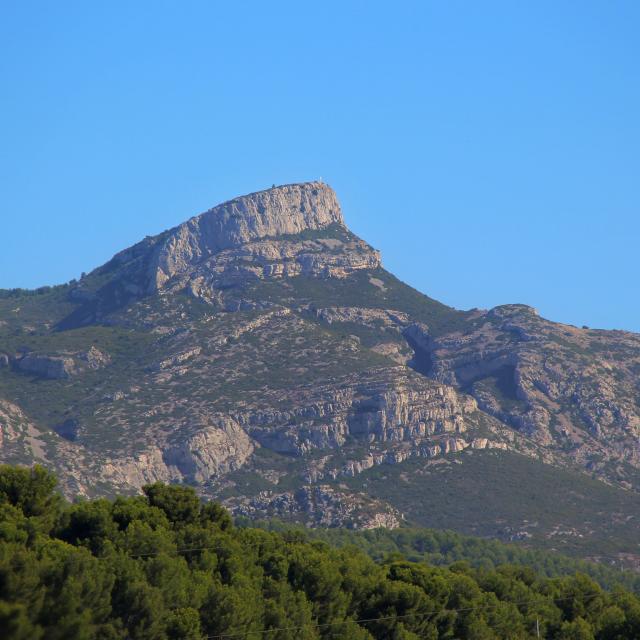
[283, 210]
[291, 207]
[288, 230]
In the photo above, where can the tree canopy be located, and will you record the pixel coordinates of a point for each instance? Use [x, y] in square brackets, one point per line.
[166, 566]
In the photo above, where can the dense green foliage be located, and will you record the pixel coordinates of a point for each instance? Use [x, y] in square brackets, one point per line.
[443, 548]
[18, 292]
[166, 566]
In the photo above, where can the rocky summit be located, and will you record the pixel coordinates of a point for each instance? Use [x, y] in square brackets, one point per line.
[260, 352]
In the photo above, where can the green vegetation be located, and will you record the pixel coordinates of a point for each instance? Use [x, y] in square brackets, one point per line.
[374, 289]
[509, 496]
[165, 566]
[116, 341]
[20, 293]
[36, 310]
[443, 548]
[334, 231]
[50, 402]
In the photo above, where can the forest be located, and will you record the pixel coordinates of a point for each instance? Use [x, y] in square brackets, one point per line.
[166, 565]
[441, 547]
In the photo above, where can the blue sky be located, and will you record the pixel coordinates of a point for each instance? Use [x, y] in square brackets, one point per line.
[490, 149]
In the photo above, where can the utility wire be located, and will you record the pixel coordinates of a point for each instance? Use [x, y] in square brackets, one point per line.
[244, 634]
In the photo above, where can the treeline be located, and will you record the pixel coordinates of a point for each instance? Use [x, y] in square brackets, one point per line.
[442, 548]
[19, 292]
[167, 566]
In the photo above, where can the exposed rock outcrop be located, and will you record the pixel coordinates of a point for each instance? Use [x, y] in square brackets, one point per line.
[281, 232]
[290, 209]
[387, 406]
[210, 452]
[557, 383]
[60, 365]
[432, 448]
[372, 318]
[320, 506]
[46, 366]
[131, 473]
[207, 453]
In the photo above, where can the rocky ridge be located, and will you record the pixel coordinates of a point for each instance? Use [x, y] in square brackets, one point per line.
[259, 349]
[58, 365]
[561, 385]
[282, 232]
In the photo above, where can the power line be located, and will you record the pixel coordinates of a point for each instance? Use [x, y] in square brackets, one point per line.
[242, 634]
[356, 621]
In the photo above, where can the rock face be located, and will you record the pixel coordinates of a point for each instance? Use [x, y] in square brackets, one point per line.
[52, 367]
[62, 365]
[320, 506]
[12, 421]
[282, 232]
[23, 442]
[561, 385]
[290, 209]
[386, 319]
[260, 348]
[390, 408]
[211, 452]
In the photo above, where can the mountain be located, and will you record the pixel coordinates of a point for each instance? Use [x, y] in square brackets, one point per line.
[260, 352]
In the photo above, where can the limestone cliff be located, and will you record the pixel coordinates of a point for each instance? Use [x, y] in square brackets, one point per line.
[566, 387]
[285, 231]
[286, 210]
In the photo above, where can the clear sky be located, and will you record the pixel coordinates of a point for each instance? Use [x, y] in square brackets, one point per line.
[490, 149]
